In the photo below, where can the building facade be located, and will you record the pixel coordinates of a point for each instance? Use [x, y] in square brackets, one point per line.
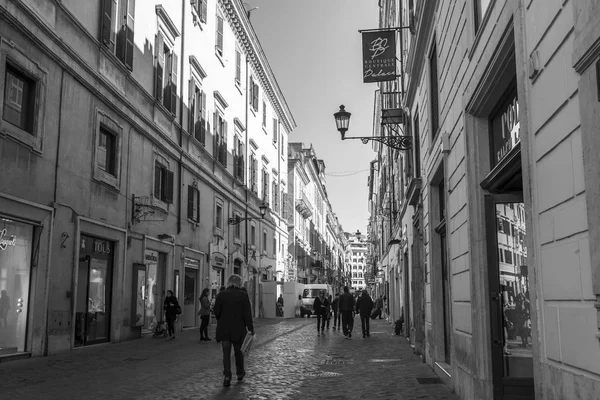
[497, 199]
[127, 148]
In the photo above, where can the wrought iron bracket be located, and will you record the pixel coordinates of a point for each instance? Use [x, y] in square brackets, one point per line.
[397, 142]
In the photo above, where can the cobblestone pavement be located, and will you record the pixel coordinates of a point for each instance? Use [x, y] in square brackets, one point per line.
[288, 361]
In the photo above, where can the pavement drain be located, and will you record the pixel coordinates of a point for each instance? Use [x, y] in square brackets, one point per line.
[429, 381]
[322, 374]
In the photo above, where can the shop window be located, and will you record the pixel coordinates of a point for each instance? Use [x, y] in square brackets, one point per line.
[193, 203]
[199, 11]
[219, 36]
[22, 97]
[433, 90]
[163, 183]
[220, 138]
[480, 8]
[117, 29]
[107, 139]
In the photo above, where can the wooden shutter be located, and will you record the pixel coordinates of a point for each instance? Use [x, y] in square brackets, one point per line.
[238, 66]
[190, 202]
[255, 95]
[159, 54]
[157, 180]
[106, 32]
[224, 144]
[129, 23]
[169, 187]
[203, 119]
[275, 130]
[203, 10]
[173, 83]
[234, 153]
[220, 34]
[216, 130]
[251, 97]
[192, 108]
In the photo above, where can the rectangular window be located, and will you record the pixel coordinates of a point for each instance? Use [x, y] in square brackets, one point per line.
[200, 6]
[165, 75]
[238, 67]
[193, 204]
[19, 95]
[117, 28]
[219, 36]
[237, 228]
[282, 146]
[163, 183]
[274, 247]
[508, 256]
[442, 200]
[238, 158]
[254, 94]
[197, 113]
[264, 241]
[417, 145]
[254, 174]
[220, 138]
[253, 235]
[275, 195]
[275, 130]
[219, 216]
[107, 151]
[264, 119]
[265, 186]
[433, 87]
[480, 8]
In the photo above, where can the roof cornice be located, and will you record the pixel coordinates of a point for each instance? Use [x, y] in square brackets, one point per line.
[247, 38]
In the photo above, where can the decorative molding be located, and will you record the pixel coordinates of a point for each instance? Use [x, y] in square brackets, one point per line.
[275, 172]
[219, 97]
[166, 20]
[265, 159]
[253, 144]
[197, 67]
[239, 124]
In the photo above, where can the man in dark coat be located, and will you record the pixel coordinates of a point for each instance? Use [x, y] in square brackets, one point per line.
[321, 307]
[346, 306]
[335, 309]
[234, 320]
[364, 306]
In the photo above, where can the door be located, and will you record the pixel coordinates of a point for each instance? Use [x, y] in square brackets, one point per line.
[512, 355]
[190, 297]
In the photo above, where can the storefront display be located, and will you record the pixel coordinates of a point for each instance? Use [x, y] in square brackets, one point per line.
[153, 289]
[16, 247]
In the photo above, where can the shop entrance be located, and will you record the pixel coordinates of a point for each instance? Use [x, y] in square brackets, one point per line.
[154, 289]
[16, 244]
[94, 290]
[191, 293]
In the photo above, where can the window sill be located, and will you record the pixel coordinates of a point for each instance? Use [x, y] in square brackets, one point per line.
[159, 204]
[107, 178]
[219, 57]
[253, 111]
[218, 232]
[196, 19]
[10, 131]
[237, 241]
[194, 222]
[264, 128]
[158, 103]
[239, 87]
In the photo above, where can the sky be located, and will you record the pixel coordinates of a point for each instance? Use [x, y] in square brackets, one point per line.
[315, 51]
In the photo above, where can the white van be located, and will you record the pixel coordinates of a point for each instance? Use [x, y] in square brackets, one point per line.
[309, 294]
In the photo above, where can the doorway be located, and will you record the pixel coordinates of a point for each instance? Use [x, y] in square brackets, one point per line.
[190, 296]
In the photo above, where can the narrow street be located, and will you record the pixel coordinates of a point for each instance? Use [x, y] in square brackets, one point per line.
[288, 361]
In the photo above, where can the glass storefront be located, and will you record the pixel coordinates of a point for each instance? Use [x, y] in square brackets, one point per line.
[16, 248]
[94, 291]
[191, 292]
[153, 292]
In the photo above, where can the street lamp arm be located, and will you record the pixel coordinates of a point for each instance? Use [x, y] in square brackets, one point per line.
[397, 142]
[237, 220]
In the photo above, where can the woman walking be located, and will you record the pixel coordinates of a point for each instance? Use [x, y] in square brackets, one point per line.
[204, 315]
[172, 309]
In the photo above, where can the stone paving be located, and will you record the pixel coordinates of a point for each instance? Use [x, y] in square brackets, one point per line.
[288, 361]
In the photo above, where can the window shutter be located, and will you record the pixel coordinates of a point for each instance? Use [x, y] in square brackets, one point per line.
[255, 94]
[190, 202]
[157, 179]
[160, 66]
[202, 116]
[106, 33]
[173, 83]
[224, 144]
[167, 85]
[216, 130]
[129, 23]
[238, 66]
[203, 11]
[234, 153]
[192, 106]
[169, 188]
[251, 97]
[275, 133]
[220, 34]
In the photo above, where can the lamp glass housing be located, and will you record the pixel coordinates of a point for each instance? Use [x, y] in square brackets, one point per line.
[263, 209]
[342, 120]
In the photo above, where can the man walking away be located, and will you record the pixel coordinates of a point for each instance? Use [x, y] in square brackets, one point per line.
[335, 308]
[234, 320]
[346, 306]
[364, 305]
[379, 306]
[320, 306]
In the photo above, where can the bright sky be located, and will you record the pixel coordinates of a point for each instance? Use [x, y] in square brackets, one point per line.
[314, 49]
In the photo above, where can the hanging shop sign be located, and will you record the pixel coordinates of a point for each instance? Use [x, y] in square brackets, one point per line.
[379, 56]
[218, 260]
[92, 245]
[151, 256]
[505, 130]
[6, 240]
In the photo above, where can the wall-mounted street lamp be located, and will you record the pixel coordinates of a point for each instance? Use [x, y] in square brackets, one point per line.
[237, 219]
[398, 142]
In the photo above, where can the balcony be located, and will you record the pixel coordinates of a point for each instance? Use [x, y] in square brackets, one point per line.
[303, 206]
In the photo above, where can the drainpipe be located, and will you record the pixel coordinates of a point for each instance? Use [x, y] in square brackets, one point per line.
[181, 105]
